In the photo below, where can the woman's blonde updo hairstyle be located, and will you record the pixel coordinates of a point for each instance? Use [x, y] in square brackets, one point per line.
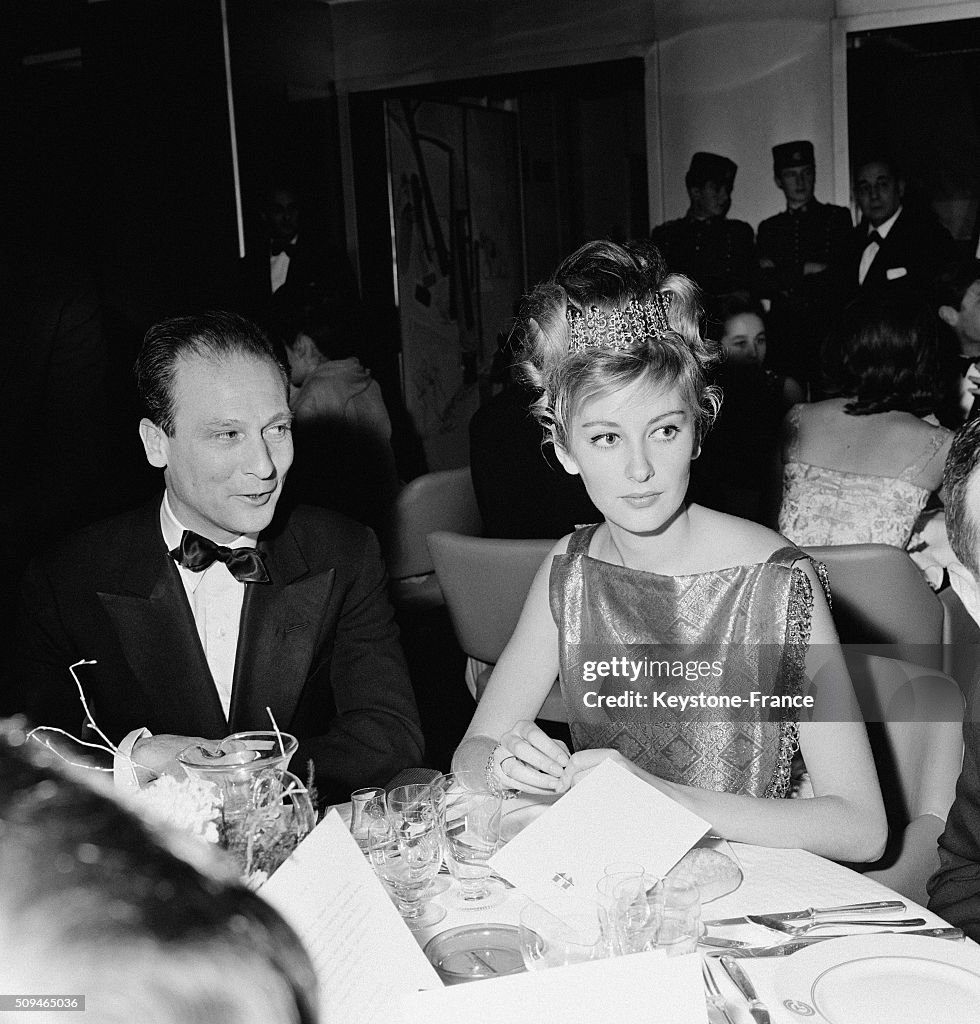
[605, 276]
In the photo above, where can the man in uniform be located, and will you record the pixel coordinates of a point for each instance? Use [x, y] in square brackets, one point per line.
[715, 252]
[799, 252]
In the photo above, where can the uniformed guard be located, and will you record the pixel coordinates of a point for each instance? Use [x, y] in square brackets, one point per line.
[716, 252]
[801, 253]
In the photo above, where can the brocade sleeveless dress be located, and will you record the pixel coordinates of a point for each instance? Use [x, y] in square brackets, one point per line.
[754, 619]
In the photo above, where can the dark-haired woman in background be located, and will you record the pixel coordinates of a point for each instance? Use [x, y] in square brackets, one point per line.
[860, 467]
[740, 469]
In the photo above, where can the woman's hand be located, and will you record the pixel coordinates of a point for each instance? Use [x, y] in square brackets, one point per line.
[530, 760]
[583, 761]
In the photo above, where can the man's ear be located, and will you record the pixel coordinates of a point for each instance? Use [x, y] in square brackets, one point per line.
[155, 443]
[965, 586]
[950, 316]
[568, 463]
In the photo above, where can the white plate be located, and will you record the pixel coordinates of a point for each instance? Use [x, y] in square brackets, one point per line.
[884, 979]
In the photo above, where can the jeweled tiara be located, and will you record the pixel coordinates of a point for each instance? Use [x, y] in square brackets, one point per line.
[618, 328]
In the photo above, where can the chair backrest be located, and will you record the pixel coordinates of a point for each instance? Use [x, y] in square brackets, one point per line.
[881, 598]
[485, 583]
[435, 501]
[914, 716]
[961, 643]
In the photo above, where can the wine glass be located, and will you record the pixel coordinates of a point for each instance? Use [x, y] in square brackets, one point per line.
[406, 856]
[419, 801]
[563, 930]
[470, 825]
[366, 807]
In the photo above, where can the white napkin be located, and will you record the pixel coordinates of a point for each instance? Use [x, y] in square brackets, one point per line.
[611, 815]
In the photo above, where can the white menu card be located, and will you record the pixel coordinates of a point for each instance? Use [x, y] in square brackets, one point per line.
[364, 955]
[641, 987]
[611, 815]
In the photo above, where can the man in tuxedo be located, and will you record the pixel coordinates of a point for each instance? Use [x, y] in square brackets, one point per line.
[205, 608]
[717, 253]
[316, 272]
[799, 252]
[954, 891]
[896, 251]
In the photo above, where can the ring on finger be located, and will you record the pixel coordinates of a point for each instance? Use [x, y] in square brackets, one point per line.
[505, 760]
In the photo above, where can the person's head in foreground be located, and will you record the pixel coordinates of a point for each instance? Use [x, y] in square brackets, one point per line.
[961, 494]
[94, 903]
[616, 352]
[217, 423]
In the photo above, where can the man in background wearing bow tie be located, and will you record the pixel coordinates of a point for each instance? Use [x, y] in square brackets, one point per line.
[205, 608]
[294, 252]
[896, 251]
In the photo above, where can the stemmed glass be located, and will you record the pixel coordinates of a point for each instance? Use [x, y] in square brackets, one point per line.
[406, 854]
[419, 800]
[469, 816]
[366, 807]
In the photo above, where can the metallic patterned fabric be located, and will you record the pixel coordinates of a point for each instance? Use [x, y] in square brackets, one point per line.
[754, 619]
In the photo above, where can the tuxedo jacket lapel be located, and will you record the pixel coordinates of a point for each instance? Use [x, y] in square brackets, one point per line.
[280, 625]
[155, 626]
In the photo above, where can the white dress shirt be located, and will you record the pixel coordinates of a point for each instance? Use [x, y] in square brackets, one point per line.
[279, 266]
[216, 598]
[871, 249]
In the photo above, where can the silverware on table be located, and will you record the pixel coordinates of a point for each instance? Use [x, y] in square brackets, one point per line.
[748, 952]
[777, 924]
[758, 1009]
[713, 992]
[811, 914]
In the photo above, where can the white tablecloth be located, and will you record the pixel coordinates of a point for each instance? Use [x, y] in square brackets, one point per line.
[773, 880]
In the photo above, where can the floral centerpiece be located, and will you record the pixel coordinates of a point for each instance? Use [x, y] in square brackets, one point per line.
[236, 793]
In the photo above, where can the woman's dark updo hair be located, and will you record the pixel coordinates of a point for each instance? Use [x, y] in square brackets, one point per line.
[886, 360]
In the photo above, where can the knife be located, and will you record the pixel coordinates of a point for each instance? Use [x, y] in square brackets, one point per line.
[795, 945]
[759, 1010]
[808, 915]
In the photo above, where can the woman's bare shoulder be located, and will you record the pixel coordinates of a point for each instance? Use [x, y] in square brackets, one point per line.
[734, 541]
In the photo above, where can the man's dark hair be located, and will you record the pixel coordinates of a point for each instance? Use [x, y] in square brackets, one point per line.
[92, 898]
[961, 520]
[888, 160]
[953, 282]
[214, 335]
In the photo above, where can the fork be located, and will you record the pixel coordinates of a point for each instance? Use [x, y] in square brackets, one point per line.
[713, 992]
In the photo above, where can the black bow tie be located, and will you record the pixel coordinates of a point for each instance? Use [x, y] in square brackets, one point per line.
[873, 236]
[197, 553]
[275, 248]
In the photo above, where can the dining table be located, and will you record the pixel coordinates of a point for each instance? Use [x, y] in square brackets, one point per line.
[773, 881]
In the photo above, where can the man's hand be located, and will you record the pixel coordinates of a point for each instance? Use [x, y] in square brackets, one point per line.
[159, 753]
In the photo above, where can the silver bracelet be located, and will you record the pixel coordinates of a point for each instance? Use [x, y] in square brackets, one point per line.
[495, 788]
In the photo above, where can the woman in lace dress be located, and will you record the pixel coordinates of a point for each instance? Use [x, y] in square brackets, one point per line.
[666, 600]
[859, 468]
